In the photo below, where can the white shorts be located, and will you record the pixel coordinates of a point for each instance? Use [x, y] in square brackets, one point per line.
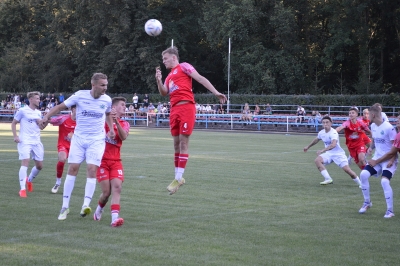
[92, 150]
[379, 168]
[26, 150]
[339, 159]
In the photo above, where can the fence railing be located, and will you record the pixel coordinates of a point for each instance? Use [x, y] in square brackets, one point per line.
[282, 123]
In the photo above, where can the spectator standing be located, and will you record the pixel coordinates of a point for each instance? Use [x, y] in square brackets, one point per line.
[178, 84]
[300, 113]
[61, 98]
[146, 101]
[135, 101]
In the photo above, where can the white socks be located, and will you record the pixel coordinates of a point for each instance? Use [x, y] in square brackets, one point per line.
[22, 176]
[69, 184]
[365, 184]
[387, 190]
[33, 174]
[89, 191]
[357, 180]
[179, 174]
[326, 175]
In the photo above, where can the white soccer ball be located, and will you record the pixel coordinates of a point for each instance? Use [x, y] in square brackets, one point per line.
[153, 27]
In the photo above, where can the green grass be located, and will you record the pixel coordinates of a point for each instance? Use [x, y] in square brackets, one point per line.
[249, 199]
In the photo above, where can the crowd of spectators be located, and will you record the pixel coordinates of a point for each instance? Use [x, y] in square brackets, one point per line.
[142, 107]
[16, 101]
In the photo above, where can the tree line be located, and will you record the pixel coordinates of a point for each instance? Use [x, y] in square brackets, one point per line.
[277, 47]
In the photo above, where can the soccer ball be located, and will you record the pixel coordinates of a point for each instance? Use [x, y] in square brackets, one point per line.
[153, 27]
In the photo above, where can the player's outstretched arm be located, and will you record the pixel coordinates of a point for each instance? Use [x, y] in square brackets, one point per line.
[207, 84]
[315, 141]
[340, 128]
[53, 111]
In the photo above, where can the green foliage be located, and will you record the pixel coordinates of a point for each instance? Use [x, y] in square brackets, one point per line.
[278, 47]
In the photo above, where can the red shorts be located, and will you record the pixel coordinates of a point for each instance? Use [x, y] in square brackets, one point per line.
[63, 148]
[355, 151]
[109, 170]
[182, 119]
[365, 138]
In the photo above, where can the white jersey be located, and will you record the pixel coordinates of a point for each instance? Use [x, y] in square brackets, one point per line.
[327, 138]
[90, 114]
[383, 137]
[29, 132]
[384, 117]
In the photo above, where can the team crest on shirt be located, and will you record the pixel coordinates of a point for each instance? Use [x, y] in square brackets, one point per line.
[102, 106]
[382, 132]
[175, 71]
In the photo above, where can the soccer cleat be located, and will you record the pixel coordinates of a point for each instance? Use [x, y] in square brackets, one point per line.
[29, 185]
[85, 211]
[388, 214]
[97, 216]
[63, 214]
[365, 207]
[54, 190]
[117, 222]
[326, 182]
[22, 193]
[174, 186]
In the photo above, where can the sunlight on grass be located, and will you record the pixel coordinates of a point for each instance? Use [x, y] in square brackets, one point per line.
[249, 199]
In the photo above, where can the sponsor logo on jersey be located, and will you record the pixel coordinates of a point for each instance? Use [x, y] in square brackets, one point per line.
[92, 114]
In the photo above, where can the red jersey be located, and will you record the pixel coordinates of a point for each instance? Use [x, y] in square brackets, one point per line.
[366, 121]
[352, 133]
[113, 146]
[396, 142]
[66, 129]
[179, 84]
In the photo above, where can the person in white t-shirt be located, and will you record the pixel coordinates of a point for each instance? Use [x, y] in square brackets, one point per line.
[29, 143]
[331, 153]
[383, 135]
[93, 108]
[135, 101]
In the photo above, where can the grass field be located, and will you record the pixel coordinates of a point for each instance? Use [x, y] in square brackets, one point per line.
[249, 199]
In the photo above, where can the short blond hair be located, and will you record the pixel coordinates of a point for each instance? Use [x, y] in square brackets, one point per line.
[171, 50]
[97, 76]
[32, 93]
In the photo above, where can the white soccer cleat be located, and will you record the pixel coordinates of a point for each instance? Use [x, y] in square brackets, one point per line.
[63, 214]
[54, 190]
[326, 182]
[365, 207]
[388, 214]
